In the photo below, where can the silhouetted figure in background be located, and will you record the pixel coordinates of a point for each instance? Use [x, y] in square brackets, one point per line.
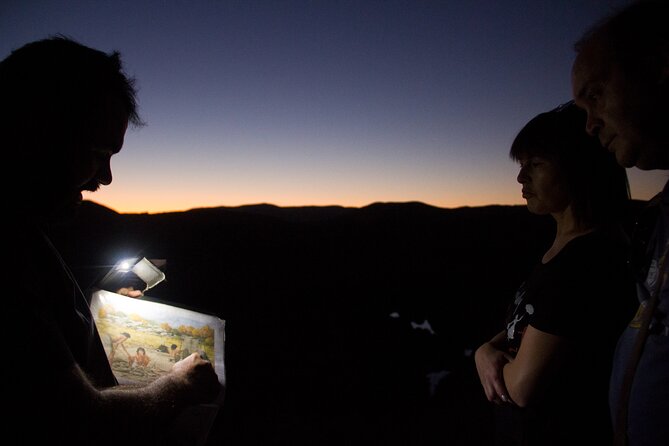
[546, 369]
[621, 78]
[65, 109]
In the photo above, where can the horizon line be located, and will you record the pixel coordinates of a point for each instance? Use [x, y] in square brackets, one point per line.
[258, 204]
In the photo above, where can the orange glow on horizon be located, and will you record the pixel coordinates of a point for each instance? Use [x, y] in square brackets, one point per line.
[138, 206]
[161, 200]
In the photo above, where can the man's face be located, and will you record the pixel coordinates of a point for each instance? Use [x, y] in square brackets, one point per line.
[88, 165]
[91, 168]
[627, 113]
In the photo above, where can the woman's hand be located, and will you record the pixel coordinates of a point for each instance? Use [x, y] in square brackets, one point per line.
[490, 362]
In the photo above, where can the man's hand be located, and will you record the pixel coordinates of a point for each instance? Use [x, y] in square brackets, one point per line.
[199, 378]
[130, 292]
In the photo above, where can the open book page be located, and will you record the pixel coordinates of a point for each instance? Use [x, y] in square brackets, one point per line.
[143, 339]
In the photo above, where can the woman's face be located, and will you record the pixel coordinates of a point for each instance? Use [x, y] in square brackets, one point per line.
[543, 188]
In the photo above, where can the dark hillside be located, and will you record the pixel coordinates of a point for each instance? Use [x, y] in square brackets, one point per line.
[320, 307]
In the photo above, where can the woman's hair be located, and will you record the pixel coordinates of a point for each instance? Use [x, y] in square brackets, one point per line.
[597, 186]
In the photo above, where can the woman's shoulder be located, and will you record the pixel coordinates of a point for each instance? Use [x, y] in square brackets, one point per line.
[602, 241]
[601, 251]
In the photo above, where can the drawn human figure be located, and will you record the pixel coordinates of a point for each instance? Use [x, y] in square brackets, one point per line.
[116, 343]
[140, 358]
[175, 353]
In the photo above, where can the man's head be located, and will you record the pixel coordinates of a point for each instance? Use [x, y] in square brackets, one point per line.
[64, 111]
[621, 78]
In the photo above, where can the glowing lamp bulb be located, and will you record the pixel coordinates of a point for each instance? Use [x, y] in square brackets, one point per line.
[125, 266]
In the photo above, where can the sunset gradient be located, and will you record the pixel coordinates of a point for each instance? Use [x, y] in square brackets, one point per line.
[298, 103]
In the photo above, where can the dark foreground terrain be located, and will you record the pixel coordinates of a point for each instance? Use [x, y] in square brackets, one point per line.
[326, 307]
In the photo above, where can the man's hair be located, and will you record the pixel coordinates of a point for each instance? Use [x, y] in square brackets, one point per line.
[61, 70]
[638, 36]
[53, 89]
[596, 185]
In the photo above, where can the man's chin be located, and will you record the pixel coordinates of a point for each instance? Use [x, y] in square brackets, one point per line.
[626, 158]
[66, 212]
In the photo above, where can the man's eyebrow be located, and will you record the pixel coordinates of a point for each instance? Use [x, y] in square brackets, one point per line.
[582, 91]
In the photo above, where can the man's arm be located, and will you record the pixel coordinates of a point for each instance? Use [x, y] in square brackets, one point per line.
[122, 412]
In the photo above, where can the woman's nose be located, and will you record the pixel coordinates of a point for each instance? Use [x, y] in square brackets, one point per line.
[522, 175]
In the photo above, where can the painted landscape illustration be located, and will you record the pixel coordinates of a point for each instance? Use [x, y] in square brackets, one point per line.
[144, 339]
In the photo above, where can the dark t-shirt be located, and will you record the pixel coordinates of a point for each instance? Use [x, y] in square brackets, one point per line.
[584, 295]
[52, 329]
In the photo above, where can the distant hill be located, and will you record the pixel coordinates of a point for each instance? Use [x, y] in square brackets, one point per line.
[326, 308]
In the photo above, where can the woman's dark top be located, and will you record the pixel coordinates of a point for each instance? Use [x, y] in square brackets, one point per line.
[584, 295]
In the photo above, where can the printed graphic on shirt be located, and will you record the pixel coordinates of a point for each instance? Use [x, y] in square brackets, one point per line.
[518, 320]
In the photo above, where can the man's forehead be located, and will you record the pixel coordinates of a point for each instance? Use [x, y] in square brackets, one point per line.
[592, 64]
[106, 131]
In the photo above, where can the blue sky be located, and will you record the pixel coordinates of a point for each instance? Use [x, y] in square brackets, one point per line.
[324, 102]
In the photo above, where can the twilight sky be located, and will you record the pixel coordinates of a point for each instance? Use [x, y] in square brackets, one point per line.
[324, 102]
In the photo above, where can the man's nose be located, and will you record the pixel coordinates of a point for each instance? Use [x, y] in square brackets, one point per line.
[104, 175]
[593, 124]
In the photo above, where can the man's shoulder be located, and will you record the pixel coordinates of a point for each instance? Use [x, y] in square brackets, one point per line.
[26, 243]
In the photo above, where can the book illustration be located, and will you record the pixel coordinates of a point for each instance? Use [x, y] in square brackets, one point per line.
[143, 339]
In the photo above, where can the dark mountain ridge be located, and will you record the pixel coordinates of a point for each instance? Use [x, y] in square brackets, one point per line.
[321, 303]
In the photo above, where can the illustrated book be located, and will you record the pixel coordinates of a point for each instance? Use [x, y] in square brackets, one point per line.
[144, 338]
